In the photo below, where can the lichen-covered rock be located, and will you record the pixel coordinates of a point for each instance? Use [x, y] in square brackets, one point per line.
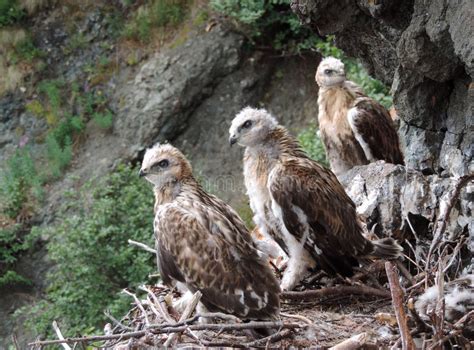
[402, 202]
[425, 48]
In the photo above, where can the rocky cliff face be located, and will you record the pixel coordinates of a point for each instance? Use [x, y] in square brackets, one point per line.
[424, 50]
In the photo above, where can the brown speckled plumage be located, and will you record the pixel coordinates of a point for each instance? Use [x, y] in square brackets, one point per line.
[202, 242]
[355, 129]
[300, 203]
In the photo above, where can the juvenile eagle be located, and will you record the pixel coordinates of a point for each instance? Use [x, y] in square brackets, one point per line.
[354, 128]
[299, 203]
[203, 244]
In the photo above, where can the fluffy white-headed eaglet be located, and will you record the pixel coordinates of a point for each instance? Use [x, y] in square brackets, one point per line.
[203, 245]
[299, 203]
[354, 128]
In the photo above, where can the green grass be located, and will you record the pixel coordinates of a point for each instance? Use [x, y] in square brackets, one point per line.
[26, 51]
[155, 14]
[93, 261]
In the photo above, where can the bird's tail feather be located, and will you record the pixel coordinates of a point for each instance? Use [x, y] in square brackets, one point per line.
[387, 248]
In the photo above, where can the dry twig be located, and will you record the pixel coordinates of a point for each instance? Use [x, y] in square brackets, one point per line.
[359, 341]
[142, 246]
[139, 304]
[117, 322]
[166, 329]
[336, 291]
[60, 335]
[15, 342]
[397, 302]
[270, 339]
[186, 314]
[161, 310]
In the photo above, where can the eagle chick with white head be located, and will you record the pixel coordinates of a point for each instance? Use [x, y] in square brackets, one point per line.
[203, 245]
[299, 203]
[355, 129]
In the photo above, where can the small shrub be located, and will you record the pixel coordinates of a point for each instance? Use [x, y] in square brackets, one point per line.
[115, 23]
[52, 89]
[25, 50]
[77, 41]
[267, 22]
[11, 278]
[59, 156]
[11, 245]
[93, 261]
[312, 144]
[155, 14]
[19, 183]
[103, 120]
[247, 12]
[10, 12]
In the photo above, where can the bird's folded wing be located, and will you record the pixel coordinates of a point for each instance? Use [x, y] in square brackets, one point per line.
[314, 203]
[374, 130]
[231, 277]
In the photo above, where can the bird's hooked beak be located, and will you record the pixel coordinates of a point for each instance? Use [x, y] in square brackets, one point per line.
[141, 173]
[232, 140]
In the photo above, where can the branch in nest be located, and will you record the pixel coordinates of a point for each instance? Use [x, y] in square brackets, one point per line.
[397, 302]
[186, 314]
[269, 340]
[139, 304]
[166, 329]
[336, 291]
[359, 341]
[142, 246]
[60, 335]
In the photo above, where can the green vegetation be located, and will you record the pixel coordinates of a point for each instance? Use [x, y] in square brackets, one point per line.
[20, 190]
[25, 50]
[56, 106]
[103, 120]
[20, 184]
[77, 41]
[10, 12]
[11, 244]
[312, 144]
[93, 260]
[155, 14]
[267, 22]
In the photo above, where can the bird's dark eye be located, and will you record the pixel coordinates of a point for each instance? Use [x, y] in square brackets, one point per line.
[163, 163]
[328, 71]
[247, 124]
